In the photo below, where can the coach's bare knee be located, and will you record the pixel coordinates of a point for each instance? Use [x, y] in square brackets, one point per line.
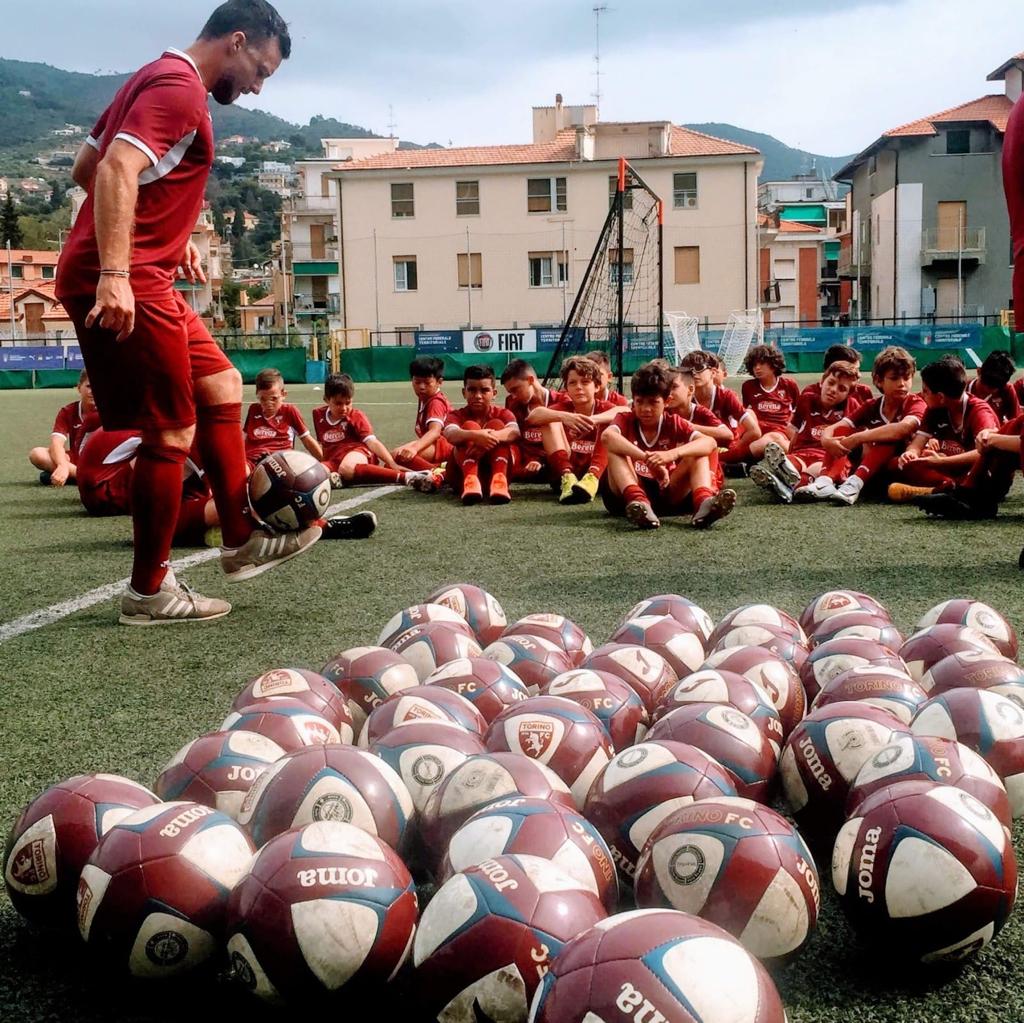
[181, 438]
[224, 388]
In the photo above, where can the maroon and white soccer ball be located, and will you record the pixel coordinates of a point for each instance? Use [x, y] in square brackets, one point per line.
[56, 834]
[931, 758]
[728, 735]
[322, 909]
[990, 724]
[835, 602]
[653, 963]
[779, 641]
[710, 685]
[535, 660]
[975, 669]
[822, 757]
[366, 676]
[561, 631]
[738, 864]
[317, 692]
[428, 647]
[153, 897]
[677, 643]
[424, 752]
[537, 828]
[776, 676]
[690, 615]
[641, 786]
[480, 780]
[757, 614]
[488, 936]
[483, 612]
[925, 872]
[647, 673]
[421, 614]
[611, 700]
[555, 732]
[289, 490]
[328, 783]
[217, 769]
[973, 613]
[886, 688]
[490, 686]
[838, 655]
[858, 625]
[288, 723]
[929, 646]
[421, 703]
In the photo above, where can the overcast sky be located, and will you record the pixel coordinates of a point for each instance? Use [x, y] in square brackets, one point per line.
[823, 75]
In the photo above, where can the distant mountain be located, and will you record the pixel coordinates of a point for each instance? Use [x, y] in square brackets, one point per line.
[780, 161]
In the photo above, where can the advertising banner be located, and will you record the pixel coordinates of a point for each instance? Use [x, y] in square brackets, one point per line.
[497, 342]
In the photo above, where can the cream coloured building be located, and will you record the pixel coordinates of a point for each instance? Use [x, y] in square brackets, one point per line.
[500, 236]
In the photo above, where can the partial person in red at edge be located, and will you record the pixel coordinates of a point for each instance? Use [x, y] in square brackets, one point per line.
[152, 363]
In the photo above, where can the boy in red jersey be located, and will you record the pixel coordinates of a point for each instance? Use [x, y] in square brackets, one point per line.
[429, 450]
[992, 384]
[606, 392]
[56, 464]
[772, 398]
[807, 471]
[484, 437]
[526, 394]
[351, 451]
[859, 393]
[681, 401]
[657, 462]
[272, 424]
[724, 403]
[571, 428]
[877, 431]
[944, 449]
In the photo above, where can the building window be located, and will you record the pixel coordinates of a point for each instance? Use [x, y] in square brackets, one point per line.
[405, 273]
[49, 273]
[402, 201]
[467, 198]
[548, 269]
[687, 264]
[545, 195]
[958, 141]
[627, 266]
[18, 272]
[470, 270]
[684, 191]
[808, 193]
[872, 163]
[613, 188]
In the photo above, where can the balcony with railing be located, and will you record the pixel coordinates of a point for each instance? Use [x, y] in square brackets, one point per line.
[312, 204]
[945, 245]
[304, 252]
[304, 305]
[850, 267]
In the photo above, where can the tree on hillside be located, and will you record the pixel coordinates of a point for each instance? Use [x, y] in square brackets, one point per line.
[10, 231]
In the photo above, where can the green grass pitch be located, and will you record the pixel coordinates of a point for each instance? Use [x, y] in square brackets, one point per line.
[85, 695]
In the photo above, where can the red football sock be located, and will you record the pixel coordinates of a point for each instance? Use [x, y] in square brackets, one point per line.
[634, 492]
[222, 450]
[873, 458]
[156, 498]
[559, 462]
[376, 474]
[805, 480]
[416, 463]
[700, 495]
[599, 459]
[737, 451]
[499, 459]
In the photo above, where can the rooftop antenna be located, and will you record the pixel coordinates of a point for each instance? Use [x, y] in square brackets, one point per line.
[598, 11]
[391, 125]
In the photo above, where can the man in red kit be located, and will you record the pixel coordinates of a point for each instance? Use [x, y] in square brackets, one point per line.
[57, 464]
[152, 364]
[1013, 187]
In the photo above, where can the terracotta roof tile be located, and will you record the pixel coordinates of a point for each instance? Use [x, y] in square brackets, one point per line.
[792, 227]
[993, 108]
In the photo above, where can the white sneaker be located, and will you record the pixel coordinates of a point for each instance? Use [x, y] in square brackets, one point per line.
[824, 488]
[776, 460]
[848, 491]
[173, 602]
[264, 550]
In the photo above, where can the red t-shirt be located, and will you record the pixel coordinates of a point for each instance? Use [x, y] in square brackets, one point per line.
[811, 419]
[162, 111]
[434, 410]
[673, 431]
[458, 417]
[339, 436]
[1004, 402]
[1018, 389]
[870, 415]
[531, 444]
[69, 425]
[727, 406]
[1013, 182]
[278, 433]
[978, 416]
[701, 416]
[774, 409]
[614, 398]
[581, 447]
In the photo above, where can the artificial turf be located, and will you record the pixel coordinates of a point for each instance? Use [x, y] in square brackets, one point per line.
[86, 695]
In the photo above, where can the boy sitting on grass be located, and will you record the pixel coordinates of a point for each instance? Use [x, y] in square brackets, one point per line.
[526, 394]
[877, 431]
[807, 471]
[56, 464]
[351, 451]
[429, 450]
[272, 424]
[772, 398]
[992, 384]
[483, 436]
[657, 462]
[682, 402]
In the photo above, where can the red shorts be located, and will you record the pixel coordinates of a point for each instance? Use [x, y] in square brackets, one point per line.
[254, 455]
[147, 380]
[108, 493]
[335, 458]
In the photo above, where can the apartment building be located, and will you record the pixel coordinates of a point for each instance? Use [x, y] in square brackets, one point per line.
[501, 235]
[928, 231]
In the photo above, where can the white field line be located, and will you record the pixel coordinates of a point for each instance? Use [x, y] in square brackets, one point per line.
[55, 612]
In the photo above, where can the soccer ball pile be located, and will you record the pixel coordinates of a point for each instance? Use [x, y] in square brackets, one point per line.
[536, 786]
